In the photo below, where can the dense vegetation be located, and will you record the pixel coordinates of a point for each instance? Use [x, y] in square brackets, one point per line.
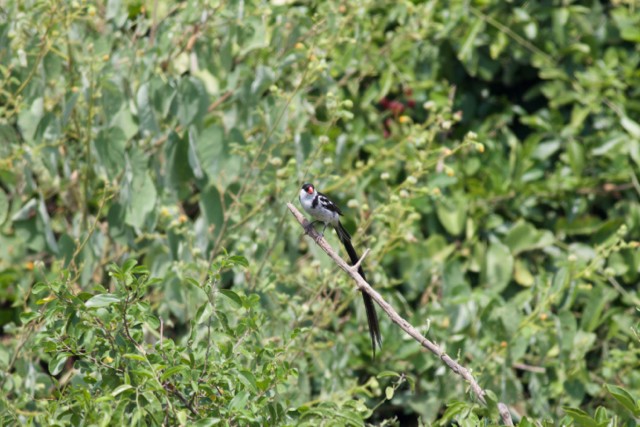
[487, 153]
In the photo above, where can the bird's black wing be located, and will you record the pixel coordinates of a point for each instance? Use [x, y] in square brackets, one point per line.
[326, 203]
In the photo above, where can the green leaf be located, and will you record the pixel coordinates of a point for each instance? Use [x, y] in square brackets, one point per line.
[522, 275]
[39, 287]
[498, 266]
[239, 400]
[124, 121]
[632, 127]
[68, 108]
[192, 282]
[248, 379]
[467, 49]
[146, 113]
[582, 225]
[525, 422]
[625, 399]
[120, 389]
[203, 312]
[142, 200]
[264, 77]
[103, 399]
[29, 117]
[129, 264]
[139, 358]
[525, 237]
[452, 214]
[455, 408]
[546, 149]
[567, 332]
[211, 204]
[4, 206]
[28, 316]
[592, 314]
[49, 237]
[182, 417]
[152, 321]
[602, 416]
[385, 374]
[57, 363]
[67, 247]
[385, 82]
[194, 161]
[179, 175]
[102, 300]
[580, 417]
[627, 24]
[232, 296]
[27, 211]
[259, 36]
[388, 392]
[110, 151]
[238, 260]
[612, 145]
[191, 101]
[173, 371]
[575, 151]
[211, 149]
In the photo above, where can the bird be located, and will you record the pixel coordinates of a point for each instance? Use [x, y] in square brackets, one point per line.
[325, 211]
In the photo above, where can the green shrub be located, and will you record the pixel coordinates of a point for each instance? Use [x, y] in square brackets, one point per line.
[486, 152]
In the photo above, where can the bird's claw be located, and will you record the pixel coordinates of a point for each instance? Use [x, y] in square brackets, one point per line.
[308, 227]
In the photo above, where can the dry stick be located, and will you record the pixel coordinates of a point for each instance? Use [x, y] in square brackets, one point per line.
[395, 317]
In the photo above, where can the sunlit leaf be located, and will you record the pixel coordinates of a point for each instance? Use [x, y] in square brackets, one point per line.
[102, 300]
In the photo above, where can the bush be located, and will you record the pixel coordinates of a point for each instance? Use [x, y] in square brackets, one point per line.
[485, 152]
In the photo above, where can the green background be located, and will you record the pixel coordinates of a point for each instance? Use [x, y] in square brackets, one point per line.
[487, 153]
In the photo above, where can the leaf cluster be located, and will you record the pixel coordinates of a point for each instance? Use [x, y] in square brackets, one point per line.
[486, 152]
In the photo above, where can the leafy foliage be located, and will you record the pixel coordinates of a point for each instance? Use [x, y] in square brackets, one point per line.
[486, 152]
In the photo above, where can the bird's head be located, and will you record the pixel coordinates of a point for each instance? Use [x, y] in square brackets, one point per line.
[307, 191]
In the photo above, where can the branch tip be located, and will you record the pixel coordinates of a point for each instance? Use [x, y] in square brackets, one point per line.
[356, 266]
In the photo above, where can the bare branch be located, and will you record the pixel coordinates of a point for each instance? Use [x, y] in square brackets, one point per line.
[396, 318]
[505, 414]
[356, 266]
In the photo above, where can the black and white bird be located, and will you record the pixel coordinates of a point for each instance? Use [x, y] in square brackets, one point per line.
[323, 210]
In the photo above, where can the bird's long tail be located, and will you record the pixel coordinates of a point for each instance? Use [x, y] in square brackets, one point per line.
[372, 316]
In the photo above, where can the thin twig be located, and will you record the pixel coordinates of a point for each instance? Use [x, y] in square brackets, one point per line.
[154, 24]
[616, 285]
[173, 390]
[529, 368]
[397, 319]
[356, 266]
